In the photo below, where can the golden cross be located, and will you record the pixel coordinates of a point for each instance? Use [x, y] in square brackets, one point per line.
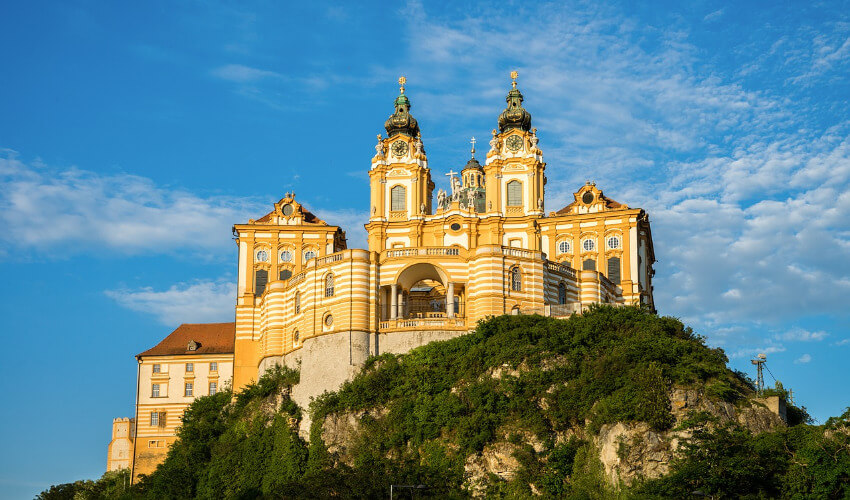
[401, 82]
[514, 74]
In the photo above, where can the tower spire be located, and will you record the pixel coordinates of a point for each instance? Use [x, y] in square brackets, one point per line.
[514, 116]
[401, 121]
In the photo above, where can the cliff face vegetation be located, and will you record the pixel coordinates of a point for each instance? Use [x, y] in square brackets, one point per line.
[616, 402]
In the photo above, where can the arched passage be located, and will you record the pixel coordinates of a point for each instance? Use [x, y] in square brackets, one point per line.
[422, 290]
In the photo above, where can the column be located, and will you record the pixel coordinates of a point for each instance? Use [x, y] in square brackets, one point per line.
[400, 303]
[450, 300]
[394, 301]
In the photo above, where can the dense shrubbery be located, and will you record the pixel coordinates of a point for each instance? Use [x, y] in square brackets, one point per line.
[515, 379]
[727, 461]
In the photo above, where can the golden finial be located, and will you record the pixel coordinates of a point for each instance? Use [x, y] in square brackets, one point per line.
[472, 141]
[514, 74]
[401, 82]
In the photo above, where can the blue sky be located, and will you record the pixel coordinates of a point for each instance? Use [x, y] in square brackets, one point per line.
[134, 135]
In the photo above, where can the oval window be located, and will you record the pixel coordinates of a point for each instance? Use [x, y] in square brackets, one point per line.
[329, 320]
[287, 210]
[614, 242]
[286, 256]
[588, 245]
[587, 198]
[262, 256]
[455, 227]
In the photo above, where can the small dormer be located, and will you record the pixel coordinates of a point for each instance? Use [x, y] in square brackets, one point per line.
[193, 346]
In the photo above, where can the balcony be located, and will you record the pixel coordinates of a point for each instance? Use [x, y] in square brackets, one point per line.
[424, 321]
[423, 252]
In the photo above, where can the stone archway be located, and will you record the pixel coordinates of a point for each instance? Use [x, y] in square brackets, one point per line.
[423, 290]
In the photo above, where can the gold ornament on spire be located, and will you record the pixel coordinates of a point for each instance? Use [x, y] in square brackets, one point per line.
[401, 82]
[472, 141]
[514, 74]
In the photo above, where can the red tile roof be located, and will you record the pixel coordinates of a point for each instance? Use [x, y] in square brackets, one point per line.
[212, 338]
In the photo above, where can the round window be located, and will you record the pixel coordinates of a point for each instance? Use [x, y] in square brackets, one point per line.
[588, 245]
[564, 247]
[309, 255]
[288, 209]
[262, 256]
[614, 242]
[587, 198]
[329, 320]
[286, 256]
[455, 227]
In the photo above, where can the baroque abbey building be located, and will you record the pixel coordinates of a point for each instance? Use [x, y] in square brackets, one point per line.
[431, 272]
[435, 266]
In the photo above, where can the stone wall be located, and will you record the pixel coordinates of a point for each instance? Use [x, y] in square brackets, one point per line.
[328, 361]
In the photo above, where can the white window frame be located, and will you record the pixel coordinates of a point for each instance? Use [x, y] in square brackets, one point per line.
[154, 419]
[213, 388]
[587, 241]
[286, 256]
[213, 366]
[613, 237]
[398, 204]
[190, 367]
[155, 391]
[188, 389]
[564, 246]
[329, 285]
[516, 279]
[518, 192]
[309, 255]
[157, 368]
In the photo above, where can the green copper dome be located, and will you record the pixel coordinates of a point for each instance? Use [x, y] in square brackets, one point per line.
[514, 116]
[402, 122]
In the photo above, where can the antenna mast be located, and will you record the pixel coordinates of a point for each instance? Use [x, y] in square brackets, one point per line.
[760, 360]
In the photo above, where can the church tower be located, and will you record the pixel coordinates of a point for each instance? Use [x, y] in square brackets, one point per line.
[514, 170]
[400, 179]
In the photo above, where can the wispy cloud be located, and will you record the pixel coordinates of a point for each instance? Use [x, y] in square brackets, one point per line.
[243, 74]
[43, 207]
[805, 358]
[196, 302]
[798, 334]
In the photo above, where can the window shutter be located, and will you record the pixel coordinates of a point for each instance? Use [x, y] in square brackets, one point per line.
[514, 194]
[588, 265]
[285, 274]
[262, 277]
[614, 270]
[397, 198]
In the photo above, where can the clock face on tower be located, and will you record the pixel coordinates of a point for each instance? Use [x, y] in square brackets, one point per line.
[513, 143]
[399, 148]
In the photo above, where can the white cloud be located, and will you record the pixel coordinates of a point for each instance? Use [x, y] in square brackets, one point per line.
[842, 342]
[714, 16]
[71, 209]
[798, 334]
[243, 74]
[197, 302]
[805, 358]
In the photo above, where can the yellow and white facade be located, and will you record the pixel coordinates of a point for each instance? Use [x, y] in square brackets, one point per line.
[433, 267]
[194, 360]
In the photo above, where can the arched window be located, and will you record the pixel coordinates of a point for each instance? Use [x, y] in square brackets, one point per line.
[284, 274]
[516, 279]
[398, 198]
[588, 265]
[515, 194]
[297, 302]
[329, 285]
[261, 277]
[562, 293]
[295, 336]
[614, 270]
